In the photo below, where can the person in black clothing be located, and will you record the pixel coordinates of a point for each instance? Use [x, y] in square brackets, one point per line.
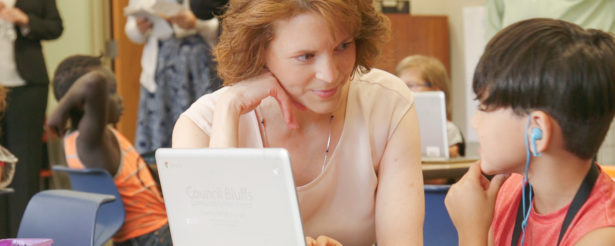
[30, 21]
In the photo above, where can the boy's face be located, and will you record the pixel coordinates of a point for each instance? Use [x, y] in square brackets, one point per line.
[114, 107]
[501, 137]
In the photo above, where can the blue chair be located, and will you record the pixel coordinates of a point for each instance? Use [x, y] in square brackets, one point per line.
[68, 217]
[438, 229]
[110, 216]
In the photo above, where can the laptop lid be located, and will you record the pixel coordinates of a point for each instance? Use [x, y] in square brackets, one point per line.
[431, 111]
[236, 196]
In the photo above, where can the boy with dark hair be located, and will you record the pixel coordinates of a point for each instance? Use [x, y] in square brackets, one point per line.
[87, 96]
[547, 88]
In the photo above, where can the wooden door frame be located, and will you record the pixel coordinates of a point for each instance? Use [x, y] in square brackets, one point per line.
[127, 68]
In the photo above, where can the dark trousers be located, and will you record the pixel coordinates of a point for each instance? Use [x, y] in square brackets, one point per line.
[22, 132]
[159, 237]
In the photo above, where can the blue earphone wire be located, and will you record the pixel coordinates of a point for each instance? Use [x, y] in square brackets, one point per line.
[526, 182]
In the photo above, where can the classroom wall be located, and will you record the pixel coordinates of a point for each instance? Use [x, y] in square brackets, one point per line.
[84, 33]
[454, 10]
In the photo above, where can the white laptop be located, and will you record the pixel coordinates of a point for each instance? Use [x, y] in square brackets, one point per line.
[431, 112]
[230, 197]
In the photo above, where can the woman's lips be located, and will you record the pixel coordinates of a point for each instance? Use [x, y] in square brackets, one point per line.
[325, 93]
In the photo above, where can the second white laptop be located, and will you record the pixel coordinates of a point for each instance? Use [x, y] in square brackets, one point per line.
[431, 112]
[230, 196]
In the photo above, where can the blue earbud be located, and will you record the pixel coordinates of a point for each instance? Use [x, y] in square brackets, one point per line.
[535, 135]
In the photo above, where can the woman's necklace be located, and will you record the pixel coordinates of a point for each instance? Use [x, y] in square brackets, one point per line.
[265, 141]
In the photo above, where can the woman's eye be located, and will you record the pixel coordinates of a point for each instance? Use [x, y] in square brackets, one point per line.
[305, 57]
[345, 45]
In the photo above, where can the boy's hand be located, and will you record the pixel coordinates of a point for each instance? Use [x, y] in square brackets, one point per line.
[56, 123]
[322, 241]
[470, 203]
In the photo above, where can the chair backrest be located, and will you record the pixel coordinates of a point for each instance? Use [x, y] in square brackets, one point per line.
[110, 216]
[68, 217]
[438, 228]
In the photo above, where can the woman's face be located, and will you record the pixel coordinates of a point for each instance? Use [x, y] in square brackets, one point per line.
[311, 62]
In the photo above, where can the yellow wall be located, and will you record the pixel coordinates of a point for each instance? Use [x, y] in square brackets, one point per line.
[83, 34]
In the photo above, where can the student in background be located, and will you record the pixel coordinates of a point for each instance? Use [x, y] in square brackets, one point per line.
[296, 76]
[423, 73]
[87, 95]
[23, 25]
[546, 102]
[177, 68]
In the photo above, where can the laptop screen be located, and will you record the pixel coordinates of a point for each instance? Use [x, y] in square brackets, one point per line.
[234, 196]
[431, 112]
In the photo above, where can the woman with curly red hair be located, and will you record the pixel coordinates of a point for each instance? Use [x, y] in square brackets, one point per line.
[298, 76]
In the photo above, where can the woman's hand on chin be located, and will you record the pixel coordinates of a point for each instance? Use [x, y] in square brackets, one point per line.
[246, 95]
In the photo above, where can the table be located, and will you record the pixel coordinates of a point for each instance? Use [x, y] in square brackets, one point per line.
[451, 168]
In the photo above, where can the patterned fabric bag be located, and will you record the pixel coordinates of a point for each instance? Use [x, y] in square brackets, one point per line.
[7, 167]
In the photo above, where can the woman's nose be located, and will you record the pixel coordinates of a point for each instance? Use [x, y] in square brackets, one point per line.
[326, 70]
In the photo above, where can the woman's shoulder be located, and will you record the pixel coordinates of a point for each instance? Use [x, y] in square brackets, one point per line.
[381, 88]
[378, 82]
[202, 110]
[380, 98]
[206, 101]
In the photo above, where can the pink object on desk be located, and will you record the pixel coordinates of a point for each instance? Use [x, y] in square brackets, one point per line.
[26, 242]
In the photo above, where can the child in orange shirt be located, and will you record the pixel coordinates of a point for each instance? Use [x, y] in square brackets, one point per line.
[87, 94]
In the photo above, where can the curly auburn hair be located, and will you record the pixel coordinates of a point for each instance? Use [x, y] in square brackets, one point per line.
[248, 28]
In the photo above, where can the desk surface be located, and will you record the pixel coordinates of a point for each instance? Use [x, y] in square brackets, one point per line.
[446, 168]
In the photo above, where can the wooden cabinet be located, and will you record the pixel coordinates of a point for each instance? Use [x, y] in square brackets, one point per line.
[416, 35]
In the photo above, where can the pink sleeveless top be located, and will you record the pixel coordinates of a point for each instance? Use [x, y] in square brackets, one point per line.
[543, 229]
[145, 210]
[340, 202]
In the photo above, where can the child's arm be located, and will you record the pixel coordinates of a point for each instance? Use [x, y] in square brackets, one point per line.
[603, 236]
[471, 203]
[97, 146]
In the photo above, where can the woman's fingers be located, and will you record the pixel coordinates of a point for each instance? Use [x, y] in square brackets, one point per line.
[310, 241]
[285, 104]
[250, 92]
[326, 241]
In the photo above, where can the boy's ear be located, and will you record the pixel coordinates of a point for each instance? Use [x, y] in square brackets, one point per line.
[546, 123]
